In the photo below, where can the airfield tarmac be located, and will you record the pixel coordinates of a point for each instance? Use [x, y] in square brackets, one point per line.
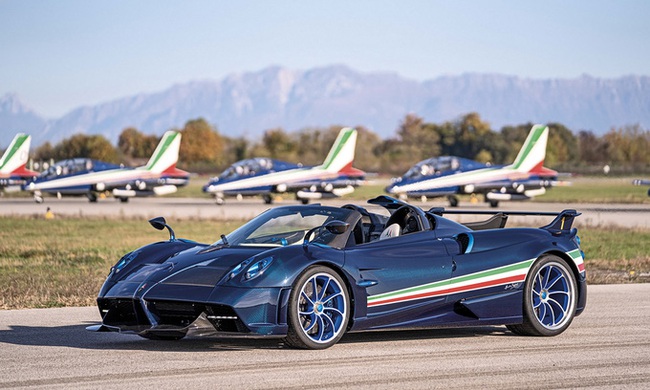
[608, 346]
[602, 215]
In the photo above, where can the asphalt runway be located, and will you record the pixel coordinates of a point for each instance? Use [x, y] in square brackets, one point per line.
[605, 215]
[608, 346]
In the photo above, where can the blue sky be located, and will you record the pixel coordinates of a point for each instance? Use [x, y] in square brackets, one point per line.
[58, 55]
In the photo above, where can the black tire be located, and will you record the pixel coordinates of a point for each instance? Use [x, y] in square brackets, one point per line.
[550, 298]
[494, 203]
[268, 199]
[453, 201]
[319, 309]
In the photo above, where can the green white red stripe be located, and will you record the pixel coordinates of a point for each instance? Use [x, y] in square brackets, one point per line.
[576, 255]
[513, 273]
[16, 156]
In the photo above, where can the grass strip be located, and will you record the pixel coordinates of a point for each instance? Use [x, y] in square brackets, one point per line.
[63, 262]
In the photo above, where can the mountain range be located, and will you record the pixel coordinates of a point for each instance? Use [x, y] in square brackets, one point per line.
[247, 104]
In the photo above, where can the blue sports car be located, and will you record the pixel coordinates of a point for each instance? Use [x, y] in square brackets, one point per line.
[311, 273]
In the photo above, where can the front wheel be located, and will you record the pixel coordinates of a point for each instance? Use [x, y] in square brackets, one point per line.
[550, 298]
[318, 309]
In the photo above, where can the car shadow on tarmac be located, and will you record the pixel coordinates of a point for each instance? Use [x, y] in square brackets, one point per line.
[76, 336]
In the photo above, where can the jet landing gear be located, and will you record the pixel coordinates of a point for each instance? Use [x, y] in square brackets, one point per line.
[302, 200]
[492, 202]
[268, 199]
[453, 201]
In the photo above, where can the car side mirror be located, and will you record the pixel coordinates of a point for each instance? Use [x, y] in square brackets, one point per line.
[159, 223]
[337, 227]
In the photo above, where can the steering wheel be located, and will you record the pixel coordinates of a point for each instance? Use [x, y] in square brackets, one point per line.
[406, 219]
[411, 224]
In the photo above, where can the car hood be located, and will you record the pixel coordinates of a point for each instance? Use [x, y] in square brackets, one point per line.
[212, 257]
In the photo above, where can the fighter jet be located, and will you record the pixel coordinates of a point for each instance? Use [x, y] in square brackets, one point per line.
[449, 176]
[83, 176]
[265, 176]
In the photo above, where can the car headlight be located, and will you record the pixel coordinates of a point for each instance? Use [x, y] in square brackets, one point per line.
[237, 270]
[258, 268]
[125, 260]
[254, 268]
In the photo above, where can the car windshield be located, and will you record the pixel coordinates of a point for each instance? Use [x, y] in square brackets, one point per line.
[284, 226]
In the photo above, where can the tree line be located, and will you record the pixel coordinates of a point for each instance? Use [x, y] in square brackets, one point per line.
[204, 149]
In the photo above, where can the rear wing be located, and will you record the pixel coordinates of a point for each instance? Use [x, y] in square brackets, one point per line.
[561, 224]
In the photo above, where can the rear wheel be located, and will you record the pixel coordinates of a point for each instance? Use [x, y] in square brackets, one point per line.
[318, 309]
[550, 298]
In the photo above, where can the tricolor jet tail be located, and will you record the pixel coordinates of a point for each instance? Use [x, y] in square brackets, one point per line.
[533, 152]
[340, 157]
[165, 157]
[14, 159]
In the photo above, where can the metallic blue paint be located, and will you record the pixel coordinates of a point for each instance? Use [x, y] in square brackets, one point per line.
[179, 285]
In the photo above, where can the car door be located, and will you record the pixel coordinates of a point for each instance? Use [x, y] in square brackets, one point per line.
[403, 275]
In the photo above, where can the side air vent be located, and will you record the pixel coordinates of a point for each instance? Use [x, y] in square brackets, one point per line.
[224, 319]
[465, 241]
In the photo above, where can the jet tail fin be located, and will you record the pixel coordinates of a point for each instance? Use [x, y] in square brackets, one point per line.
[15, 158]
[532, 153]
[165, 156]
[341, 155]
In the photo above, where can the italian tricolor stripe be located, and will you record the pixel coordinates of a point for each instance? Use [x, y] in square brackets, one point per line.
[576, 255]
[513, 273]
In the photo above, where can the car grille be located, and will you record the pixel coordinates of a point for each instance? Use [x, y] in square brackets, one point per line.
[122, 312]
[179, 314]
[128, 313]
